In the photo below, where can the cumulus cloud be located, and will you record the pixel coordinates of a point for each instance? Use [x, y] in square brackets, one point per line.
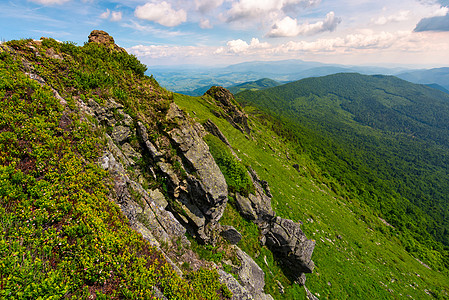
[240, 46]
[288, 27]
[50, 2]
[403, 15]
[250, 9]
[207, 5]
[161, 13]
[116, 16]
[106, 14]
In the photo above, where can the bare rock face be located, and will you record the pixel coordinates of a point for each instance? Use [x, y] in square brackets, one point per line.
[207, 187]
[102, 37]
[224, 99]
[286, 239]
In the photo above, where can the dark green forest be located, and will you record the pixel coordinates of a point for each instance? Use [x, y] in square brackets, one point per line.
[384, 139]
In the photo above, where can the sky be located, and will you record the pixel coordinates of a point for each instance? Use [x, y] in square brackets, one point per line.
[223, 32]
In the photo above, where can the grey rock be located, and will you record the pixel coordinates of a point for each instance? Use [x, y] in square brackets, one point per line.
[250, 274]
[238, 291]
[286, 239]
[245, 207]
[130, 153]
[224, 99]
[214, 130]
[309, 294]
[142, 131]
[159, 198]
[121, 134]
[231, 234]
[207, 188]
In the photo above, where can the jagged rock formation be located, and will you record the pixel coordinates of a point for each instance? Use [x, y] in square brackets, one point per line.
[225, 100]
[102, 37]
[284, 237]
[192, 193]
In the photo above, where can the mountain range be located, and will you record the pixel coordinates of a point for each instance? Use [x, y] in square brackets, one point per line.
[195, 80]
[112, 186]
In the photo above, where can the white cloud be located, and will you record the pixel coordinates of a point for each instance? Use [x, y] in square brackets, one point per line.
[205, 24]
[106, 14]
[439, 12]
[161, 13]
[164, 51]
[290, 27]
[403, 15]
[250, 9]
[240, 46]
[207, 5]
[50, 2]
[116, 16]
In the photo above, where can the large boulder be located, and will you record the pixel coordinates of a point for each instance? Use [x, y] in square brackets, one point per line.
[286, 239]
[103, 38]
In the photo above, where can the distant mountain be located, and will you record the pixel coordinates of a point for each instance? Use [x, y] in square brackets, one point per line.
[436, 75]
[193, 81]
[383, 137]
[438, 87]
[260, 84]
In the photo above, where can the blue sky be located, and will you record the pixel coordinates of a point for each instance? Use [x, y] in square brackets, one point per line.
[212, 32]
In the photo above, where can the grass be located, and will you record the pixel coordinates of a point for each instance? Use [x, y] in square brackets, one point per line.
[356, 255]
[62, 236]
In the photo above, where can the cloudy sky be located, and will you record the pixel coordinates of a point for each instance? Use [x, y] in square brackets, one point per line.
[211, 32]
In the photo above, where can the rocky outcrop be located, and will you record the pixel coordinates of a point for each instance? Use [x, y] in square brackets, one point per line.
[289, 244]
[203, 191]
[102, 37]
[231, 112]
[231, 234]
[282, 236]
[256, 206]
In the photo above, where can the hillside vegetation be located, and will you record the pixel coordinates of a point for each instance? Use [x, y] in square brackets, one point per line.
[111, 189]
[384, 139]
[63, 234]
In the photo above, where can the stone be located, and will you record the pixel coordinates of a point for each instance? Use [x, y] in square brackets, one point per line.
[238, 291]
[159, 198]
[142, 132]
[231, 234]
[120, 134]
[286, 239]
[214, 130]
[130, 153]
[250, 274]
[103, 38]
[245, 207]
[207, 187]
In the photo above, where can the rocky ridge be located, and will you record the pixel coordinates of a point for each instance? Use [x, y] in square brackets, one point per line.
[195, 194]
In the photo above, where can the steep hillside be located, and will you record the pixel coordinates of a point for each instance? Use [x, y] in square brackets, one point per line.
[112, 187]
[357, 254]
[108, 189]
[383, 138]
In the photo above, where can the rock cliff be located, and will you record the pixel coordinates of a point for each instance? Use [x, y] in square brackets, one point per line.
[167, 183]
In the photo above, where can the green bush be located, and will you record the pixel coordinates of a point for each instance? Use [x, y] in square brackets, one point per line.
[235, 172]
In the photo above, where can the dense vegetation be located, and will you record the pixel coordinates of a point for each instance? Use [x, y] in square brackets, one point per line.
[357, 255]
[385, 140]
[260, 84]
[61, 235]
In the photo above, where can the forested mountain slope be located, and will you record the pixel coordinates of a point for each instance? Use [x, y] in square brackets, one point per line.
[385, 139]
[112, 187]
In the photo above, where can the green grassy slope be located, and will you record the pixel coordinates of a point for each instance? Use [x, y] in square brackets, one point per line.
[357, 255]
[61, 233]
[383, 138]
